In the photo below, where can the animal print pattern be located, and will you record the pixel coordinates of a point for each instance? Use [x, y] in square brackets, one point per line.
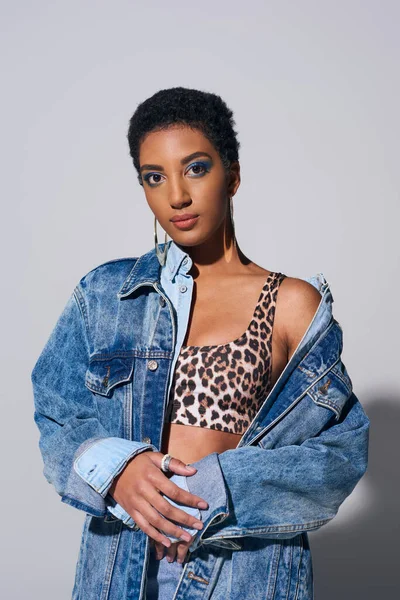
[222, 386]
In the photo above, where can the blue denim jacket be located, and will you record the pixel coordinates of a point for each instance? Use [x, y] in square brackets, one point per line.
[101, 387]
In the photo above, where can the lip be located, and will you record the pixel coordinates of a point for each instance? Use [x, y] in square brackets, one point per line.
[184, 223]
[183, 217]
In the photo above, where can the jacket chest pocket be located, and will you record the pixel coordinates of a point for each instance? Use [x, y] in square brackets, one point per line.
[333, 389]
[106, 373]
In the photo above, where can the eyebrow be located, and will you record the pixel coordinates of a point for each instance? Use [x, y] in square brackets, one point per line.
[184, 160]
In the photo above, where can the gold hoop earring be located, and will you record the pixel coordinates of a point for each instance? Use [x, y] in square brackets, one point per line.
[162, 256]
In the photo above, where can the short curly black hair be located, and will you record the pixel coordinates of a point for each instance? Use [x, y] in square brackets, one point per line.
[200, 110]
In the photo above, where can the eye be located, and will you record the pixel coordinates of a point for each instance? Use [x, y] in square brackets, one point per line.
[200, 169]
[199, 165]
[148, 176]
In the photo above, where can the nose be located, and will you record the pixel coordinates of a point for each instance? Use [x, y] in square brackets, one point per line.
[178, 193]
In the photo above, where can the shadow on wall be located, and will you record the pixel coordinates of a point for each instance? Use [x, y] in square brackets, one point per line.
[359, 559]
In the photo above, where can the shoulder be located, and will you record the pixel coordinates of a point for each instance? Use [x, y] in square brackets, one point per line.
[298, 294]
[109, 274]
[297, 303]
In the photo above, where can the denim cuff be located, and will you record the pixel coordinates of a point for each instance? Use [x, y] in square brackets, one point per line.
[104, 459]
[181, 481]
[120, 513]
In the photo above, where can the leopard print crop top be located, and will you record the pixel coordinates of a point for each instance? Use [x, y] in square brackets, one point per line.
[222, 386]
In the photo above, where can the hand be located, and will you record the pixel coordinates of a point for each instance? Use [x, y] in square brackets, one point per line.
[176, 550]
[137, 489]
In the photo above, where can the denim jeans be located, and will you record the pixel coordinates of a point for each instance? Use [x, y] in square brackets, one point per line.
[162, 577]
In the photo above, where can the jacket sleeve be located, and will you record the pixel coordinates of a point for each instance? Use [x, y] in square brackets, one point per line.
[281, 492]
[81, 458]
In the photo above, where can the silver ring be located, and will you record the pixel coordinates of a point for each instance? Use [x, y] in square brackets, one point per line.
[166, 459]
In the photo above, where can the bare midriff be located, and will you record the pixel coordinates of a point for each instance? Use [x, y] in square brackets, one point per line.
[191, 444]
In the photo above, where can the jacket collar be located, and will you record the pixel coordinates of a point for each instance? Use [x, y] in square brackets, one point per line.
[177, 260]
[147, 269]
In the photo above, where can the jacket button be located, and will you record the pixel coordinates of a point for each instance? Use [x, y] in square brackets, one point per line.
[162, 301]
[182, 288]
[146, 440]
[152, 365]
[324, 388]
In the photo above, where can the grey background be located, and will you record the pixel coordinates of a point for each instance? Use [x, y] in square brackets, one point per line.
[314, 87]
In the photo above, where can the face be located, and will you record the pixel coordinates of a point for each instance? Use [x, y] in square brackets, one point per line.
[183, 174]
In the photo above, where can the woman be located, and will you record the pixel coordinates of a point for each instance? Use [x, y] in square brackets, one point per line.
[227, 329]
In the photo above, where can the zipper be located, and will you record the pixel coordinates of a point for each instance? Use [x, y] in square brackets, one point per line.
[282, 374]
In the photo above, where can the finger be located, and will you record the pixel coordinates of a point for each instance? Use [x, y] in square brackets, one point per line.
[180, 468]
[159, 550]
[145, 526]
[171, 552]
[181, 552]
[175, 465]
[173, 491]
[170, 489]
[174, 514]
[145, 507]
[157, 521]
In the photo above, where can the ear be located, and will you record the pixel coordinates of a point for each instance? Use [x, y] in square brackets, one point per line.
[234, 178]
